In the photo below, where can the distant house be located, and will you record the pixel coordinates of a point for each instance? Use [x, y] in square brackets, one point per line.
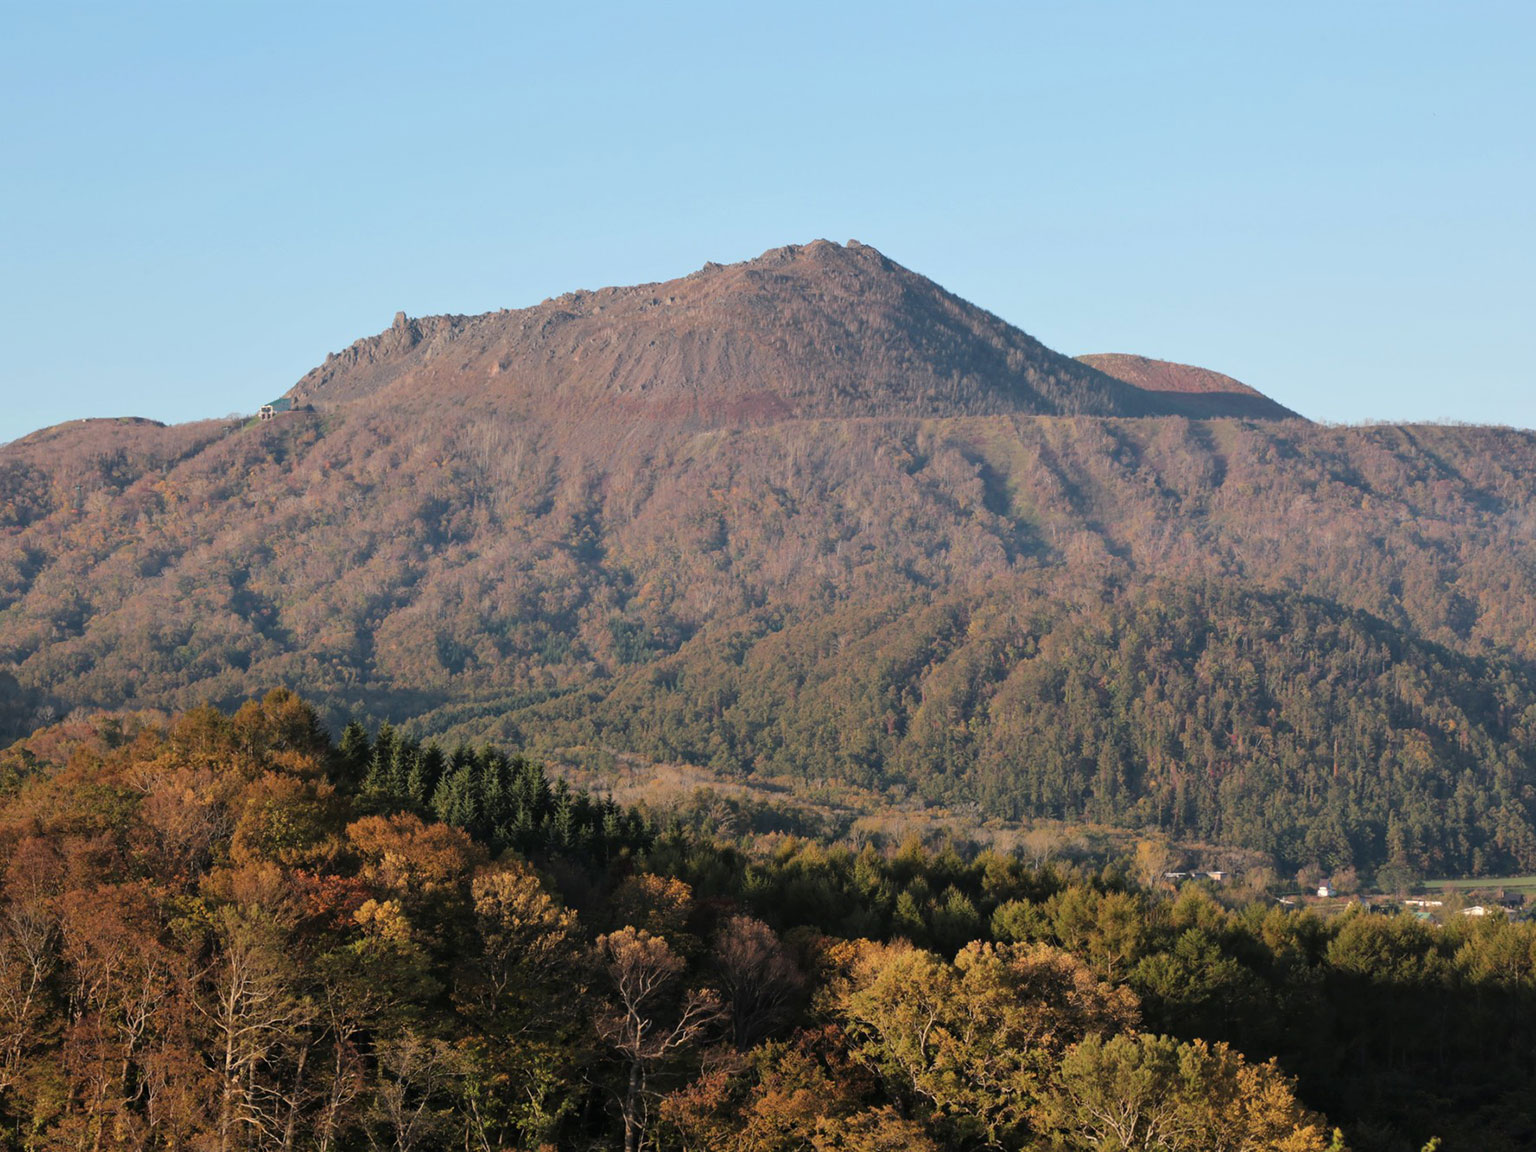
[1219, 876]
[1475, 910]
[283, 404]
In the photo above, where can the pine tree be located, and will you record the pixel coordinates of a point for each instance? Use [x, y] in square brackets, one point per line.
[354, 754]
[455, 801]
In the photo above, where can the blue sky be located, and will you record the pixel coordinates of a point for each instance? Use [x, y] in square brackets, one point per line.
[1335, 202]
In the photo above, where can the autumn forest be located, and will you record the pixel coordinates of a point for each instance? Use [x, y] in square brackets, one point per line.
[312, 727]
[226, 931]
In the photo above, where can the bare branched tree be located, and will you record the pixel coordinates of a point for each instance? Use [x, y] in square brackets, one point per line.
[256, 1018]
[642, 1026]
[28, 953]
[414, 1078]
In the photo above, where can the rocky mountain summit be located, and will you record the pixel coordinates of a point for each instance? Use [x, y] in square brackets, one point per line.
[815, 331]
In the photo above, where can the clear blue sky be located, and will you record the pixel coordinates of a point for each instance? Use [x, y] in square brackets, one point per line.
[1335, 202]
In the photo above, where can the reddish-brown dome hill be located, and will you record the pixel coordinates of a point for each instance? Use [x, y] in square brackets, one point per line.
[1193, 391]
[820, 330]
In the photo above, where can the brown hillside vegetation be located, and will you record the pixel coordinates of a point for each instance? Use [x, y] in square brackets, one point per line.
[1205, 393]
[874, 567]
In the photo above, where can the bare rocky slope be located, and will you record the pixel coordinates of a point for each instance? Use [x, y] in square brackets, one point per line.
[819, 330]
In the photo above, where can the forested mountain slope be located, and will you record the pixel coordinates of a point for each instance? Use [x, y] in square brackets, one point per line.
[878, 567]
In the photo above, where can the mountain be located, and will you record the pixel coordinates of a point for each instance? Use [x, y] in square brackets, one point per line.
[821, 330]
[816, 520]
[1198, 392]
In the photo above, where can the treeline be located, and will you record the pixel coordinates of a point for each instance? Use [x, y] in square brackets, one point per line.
[226, 932]
[1275, 721]
[503, 802]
